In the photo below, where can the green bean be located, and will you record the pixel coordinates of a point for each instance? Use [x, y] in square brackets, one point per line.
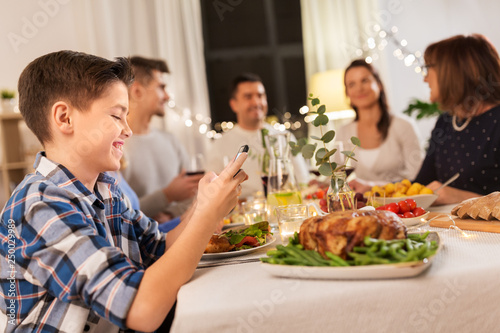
[336, 259]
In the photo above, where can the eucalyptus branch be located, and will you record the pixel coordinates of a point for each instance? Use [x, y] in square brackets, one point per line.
[322, 155]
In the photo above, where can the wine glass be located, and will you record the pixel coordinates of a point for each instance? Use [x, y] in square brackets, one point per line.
[196, 165]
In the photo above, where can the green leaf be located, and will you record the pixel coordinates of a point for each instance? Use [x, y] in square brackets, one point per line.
[310, 95]
[322, 109]
[302, 142]
[292, 144]
[325, 169]
[330, 153]
[320, 120]
[308, 151]
[328, 136]
[355, 141]
[314, 101]
[348, 153]
[320, 154]
[315, 137]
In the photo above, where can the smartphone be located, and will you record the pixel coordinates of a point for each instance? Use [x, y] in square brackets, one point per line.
[243, 149]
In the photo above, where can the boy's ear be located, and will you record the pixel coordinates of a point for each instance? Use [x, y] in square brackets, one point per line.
[61, 116]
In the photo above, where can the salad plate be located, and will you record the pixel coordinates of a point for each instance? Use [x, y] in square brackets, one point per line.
[385, 271]
[223, 255]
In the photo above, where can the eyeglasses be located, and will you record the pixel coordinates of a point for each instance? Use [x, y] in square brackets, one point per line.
[425, 69]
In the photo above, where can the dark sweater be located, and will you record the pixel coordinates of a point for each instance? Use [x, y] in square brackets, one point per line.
[474, 152]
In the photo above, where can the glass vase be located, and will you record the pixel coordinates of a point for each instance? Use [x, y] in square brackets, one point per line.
[340, 196]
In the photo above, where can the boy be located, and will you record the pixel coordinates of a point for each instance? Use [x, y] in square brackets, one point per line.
[73, 257]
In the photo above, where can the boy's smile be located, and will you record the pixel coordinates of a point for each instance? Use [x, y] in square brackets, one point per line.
[100, 131]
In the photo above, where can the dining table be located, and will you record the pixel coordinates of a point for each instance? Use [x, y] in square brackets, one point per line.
[458, 292]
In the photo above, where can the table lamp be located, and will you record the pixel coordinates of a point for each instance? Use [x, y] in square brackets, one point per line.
[328, 86]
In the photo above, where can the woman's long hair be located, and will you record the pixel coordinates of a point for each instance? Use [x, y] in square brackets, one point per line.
[468, 73]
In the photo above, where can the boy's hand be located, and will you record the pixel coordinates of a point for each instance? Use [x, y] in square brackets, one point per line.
[217, 195]
[182, 187]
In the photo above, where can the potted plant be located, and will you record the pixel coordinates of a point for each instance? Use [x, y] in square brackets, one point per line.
[339, 195]
[8, 99]
[422, 109]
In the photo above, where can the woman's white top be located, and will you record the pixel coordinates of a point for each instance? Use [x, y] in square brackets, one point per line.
[398, 157]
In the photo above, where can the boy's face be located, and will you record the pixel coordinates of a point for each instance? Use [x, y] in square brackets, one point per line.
[100, 131]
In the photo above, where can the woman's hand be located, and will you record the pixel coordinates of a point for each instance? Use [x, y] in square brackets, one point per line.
[359, 187]
[450, 195]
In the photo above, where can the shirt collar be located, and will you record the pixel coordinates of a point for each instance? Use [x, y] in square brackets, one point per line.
[59, 175]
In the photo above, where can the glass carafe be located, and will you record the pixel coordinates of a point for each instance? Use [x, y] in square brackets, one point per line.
[340, 196]
[281, 183]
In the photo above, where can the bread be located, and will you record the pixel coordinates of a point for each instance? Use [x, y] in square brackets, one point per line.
[340, 232]
[482, 208]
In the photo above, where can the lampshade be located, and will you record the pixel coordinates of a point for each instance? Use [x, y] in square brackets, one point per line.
[329, 88]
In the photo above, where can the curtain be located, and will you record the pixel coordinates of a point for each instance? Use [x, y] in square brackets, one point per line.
[166, 29]
[333, 30]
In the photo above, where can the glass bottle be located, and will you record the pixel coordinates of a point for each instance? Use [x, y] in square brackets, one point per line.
[282, 187]
[340, 196]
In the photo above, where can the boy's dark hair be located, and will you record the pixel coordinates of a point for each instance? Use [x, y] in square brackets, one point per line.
[74, 77]
[143, 68]
[243, 77]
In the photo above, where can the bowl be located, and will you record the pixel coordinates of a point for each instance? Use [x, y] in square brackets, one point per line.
[422, 200]
[413, 221]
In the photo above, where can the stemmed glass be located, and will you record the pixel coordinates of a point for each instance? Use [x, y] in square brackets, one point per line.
[196, 165]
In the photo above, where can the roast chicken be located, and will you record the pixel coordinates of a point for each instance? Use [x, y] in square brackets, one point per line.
[485, 208]
[340, 232]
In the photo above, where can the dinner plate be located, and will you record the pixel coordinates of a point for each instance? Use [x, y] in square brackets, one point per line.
[231, 225]
[422, 200]
[367, 272]
[222, 255]
[413, 221]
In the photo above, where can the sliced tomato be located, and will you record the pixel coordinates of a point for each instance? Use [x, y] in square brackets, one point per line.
[248, 240]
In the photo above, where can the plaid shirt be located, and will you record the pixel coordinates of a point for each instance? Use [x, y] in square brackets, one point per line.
[60, 269]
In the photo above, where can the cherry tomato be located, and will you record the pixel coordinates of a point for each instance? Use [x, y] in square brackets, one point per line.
[309, 196]
[403, 207]
[384, 207]
[320, 194]
[322, 202]
[408, 215]
[401, 215]
[393, 207]
[411, 203]
[419, 211]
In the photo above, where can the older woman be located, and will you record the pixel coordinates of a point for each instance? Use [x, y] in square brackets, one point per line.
[390, 148]
[463, 73]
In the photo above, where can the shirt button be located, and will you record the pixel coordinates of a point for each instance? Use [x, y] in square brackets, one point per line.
[86, 328]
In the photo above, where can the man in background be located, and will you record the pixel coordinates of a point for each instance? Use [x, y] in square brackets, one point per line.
[155, 160]
[248, 101]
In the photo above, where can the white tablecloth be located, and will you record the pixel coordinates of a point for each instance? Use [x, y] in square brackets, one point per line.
[460, 292]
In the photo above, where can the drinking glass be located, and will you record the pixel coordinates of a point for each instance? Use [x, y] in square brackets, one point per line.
[196, 165]
[290, 219]
[254, 211]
